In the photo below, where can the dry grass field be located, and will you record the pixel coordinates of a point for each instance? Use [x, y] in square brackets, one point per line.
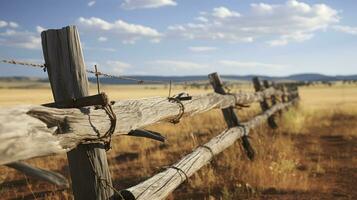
[312, 155]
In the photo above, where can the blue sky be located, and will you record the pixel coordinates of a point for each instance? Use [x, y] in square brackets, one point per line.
[189, 37]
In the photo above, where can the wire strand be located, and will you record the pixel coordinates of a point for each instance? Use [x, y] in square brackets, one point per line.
[43, 66]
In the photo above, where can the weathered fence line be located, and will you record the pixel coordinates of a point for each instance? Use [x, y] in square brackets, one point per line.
[162, 184]
[80, 129]
[60, 130]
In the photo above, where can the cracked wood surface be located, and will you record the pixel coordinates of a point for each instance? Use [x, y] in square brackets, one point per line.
[33, 131]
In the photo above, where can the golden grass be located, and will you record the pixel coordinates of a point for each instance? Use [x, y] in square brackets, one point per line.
[230, 176]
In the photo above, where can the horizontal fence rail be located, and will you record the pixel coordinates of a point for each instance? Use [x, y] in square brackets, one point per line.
[41, 174]
[59, 130]
[162, 184]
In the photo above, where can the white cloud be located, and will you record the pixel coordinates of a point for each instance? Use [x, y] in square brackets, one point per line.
[3, 24]
[21, 39]
[284, 39]
[128, 33]
[246, 65]
[262, 8]
[39, 29]
[275, 24]
[138, 4]
[202, 48]
[177, 65]
[346, 29]
[13, 36]
[116, 66]
[202, 19]
[107, 49]
[9, 24]
[91, 3]
[102, 39]
[223, 12]
[13, 25]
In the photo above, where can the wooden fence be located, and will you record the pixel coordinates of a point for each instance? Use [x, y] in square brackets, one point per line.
[82, 126]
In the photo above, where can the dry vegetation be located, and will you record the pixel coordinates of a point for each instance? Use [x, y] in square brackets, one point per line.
[310, 156]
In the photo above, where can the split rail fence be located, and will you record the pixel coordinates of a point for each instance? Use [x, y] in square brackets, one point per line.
[82, 125]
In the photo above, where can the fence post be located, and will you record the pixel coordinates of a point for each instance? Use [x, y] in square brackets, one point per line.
[67, 74]
[229, 114]
[272, 97]
[289, 91]
[295, 93]
[264, 104]
[282, 89]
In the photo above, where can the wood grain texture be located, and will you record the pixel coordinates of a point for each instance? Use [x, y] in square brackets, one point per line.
[45, 175]
[162, 184]
[59, 130]
[68, 77]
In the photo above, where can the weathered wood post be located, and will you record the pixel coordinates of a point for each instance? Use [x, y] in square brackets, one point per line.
[295, 93]
[272, 97]
[229, 114]
[67, 74]
[264, 104]
[289, 91]
[283, 90]
[296, 90]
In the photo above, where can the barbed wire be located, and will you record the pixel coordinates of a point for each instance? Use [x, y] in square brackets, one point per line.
[139, 81]
[23, 63]
[43, 66]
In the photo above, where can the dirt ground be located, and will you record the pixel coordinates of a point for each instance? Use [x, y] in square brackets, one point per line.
[336, 176]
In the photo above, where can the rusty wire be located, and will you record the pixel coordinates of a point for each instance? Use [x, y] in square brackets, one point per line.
[43, 66]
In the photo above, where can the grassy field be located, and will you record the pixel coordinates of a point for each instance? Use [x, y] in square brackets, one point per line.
[312, 155]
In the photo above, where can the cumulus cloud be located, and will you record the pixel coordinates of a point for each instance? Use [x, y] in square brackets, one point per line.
[284, 39]
[22, 39]
[13, 25]
[128, 33]
[39, 29]
[201, 48]
[275, 24]
[139, 4]
[223, 12]
[3, 23]
[346, 29]
[91, 3]
[11, 36]
[8, 24]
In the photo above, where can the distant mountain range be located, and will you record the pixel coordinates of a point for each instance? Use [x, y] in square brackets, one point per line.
[295, 77]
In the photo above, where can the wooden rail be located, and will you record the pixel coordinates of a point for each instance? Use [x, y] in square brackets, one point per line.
[52, 177]
[59, 130]
[162, 184]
